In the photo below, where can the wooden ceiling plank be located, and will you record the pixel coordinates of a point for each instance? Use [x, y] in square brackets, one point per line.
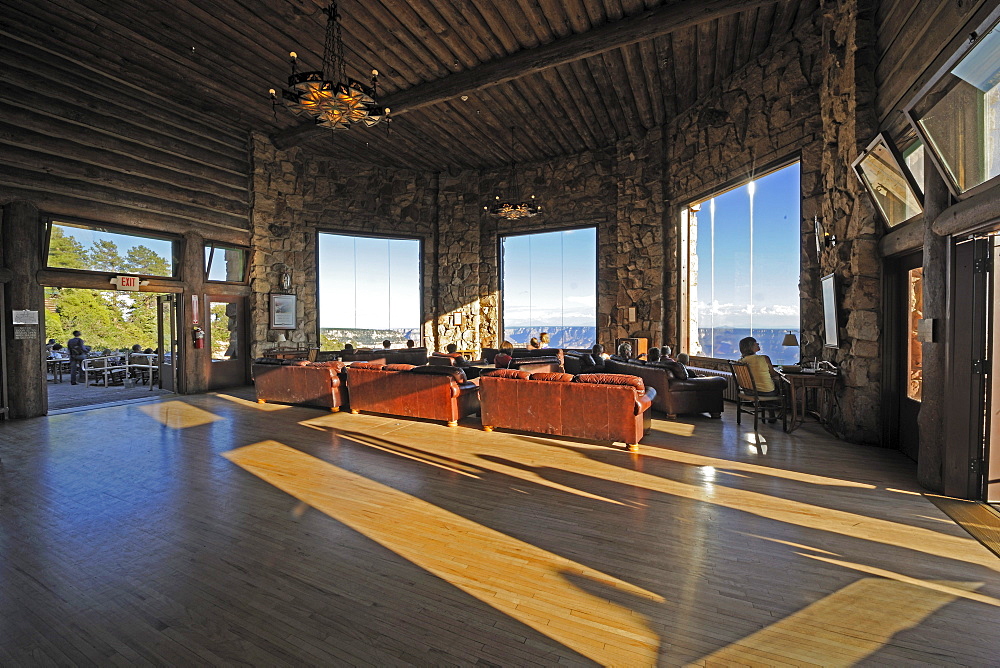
[577, 16]
[497, 25]
[668, 87]
[452, 25]
[600, 40]
[556, 17]
[634, 70]
[122, 19]
[530, 100]
[613, 10]
[468, 18]
[279, 19]
[57, 67]
[589, 105]
[452, 54]
[440, 127]
[390, 150]
[595, 12]
[706, 48]
[601, 77]
[602, 120]
[519, 26]
[726, 41]
[518, 113]
[576, 109]
[744, 39]
[651, 72]
[682, 45]
[436, 60]
[762, 30]
[471, 133]
[621, 87]
[414, 135]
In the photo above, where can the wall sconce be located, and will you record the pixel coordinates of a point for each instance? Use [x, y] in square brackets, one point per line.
[455, 319]
[630, 314]
[823, 238]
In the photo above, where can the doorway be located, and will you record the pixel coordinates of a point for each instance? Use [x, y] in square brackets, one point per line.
[119, 331]
[904, 295]
[227, 341]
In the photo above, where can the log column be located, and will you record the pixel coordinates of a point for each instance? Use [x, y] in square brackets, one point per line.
[931, 418]
[22, 256]
[194, 370]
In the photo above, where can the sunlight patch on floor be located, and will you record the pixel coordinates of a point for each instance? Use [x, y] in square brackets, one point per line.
[842, 628]
[178, 414]
[251, 404]
[529, 584]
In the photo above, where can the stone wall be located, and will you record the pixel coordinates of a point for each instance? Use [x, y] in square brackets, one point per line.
[809, 98]
[295, 196]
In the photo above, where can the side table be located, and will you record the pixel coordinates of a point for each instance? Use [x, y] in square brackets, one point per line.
[822, 385]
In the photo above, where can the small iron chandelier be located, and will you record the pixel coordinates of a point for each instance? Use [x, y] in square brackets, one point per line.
[322, 95]
[513, 207]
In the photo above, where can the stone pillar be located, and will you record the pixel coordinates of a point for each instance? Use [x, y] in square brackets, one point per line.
[22, 256]
[193, 374]
[930, 420]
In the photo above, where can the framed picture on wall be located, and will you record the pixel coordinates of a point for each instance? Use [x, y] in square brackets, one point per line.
[283, 312]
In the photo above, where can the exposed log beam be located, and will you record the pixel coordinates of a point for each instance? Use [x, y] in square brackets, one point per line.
[651, 23]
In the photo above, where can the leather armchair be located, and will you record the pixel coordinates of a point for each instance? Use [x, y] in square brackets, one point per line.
[428, 392]
[602, 407]
[676, 394]
[300, 382]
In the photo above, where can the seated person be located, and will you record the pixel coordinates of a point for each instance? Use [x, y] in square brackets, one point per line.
[503, 358]
[624, 353]
[452, 352]
[765, 377]
[386, 344]
[150, 351]
[137, 348]
[533, 344]
[543, 340]
[653, 356]
[348, 348]
[666, 353]
[410, 343]
[683, 358]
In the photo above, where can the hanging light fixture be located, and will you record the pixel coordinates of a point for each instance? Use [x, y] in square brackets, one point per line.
[513, 207]
[323, 96]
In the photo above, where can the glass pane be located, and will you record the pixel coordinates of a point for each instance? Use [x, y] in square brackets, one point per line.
[91, 248]
[224, 318]
[369, 291]
[550, 285]
[914, 156]
[961, 117]
[745, 269]
[915, 301]
[225, 264]
[888, 186]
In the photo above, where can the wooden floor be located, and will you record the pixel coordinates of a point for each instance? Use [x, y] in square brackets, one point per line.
[210, 530]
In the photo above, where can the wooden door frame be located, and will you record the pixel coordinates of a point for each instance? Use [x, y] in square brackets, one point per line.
[894, 294]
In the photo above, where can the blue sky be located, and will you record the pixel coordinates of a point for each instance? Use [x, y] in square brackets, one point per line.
[738, 290]
[550, 279]
[125, 242]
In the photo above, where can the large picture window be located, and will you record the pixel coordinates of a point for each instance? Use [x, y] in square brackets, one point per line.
[369, 291]
[94, 248]
[550, 285]
[743, 268]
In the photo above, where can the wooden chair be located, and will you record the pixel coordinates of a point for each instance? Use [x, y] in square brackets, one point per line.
[749, 401]
[106, 368]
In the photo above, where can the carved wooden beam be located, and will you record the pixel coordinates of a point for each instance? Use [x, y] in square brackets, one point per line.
[652, 23]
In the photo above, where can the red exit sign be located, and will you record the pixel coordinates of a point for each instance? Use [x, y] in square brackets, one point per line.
[128, 282]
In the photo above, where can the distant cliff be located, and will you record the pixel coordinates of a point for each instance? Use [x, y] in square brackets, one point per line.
[559, 337]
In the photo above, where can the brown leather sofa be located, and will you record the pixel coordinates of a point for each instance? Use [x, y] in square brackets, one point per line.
[428, 392]
[602, 407]
[299, 382]
[676, 394]
[415, 356]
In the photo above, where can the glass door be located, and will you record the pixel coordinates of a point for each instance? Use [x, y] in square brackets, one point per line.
[166, 323]
[226, 340]
[991, 456]
[911, 363]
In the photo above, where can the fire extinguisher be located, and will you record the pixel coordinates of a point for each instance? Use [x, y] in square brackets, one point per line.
[198, 336]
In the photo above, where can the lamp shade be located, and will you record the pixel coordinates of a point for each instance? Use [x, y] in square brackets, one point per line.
[789, 340]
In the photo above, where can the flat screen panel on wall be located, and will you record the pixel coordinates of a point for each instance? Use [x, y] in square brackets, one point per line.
[831, 323]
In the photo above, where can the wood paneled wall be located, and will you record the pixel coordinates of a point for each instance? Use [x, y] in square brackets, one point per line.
[79, 142]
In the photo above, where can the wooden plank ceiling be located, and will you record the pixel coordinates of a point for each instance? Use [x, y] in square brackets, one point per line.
[220, 57]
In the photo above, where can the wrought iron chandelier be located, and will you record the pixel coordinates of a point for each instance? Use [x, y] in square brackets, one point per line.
[513, 207]
[322, 94]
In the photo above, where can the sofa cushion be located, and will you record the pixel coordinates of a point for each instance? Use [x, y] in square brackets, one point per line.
[377, 366]
[456, 373]
[612, 379]
[332, 364]
[508, 373]
[398, 367]
[554, 377]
